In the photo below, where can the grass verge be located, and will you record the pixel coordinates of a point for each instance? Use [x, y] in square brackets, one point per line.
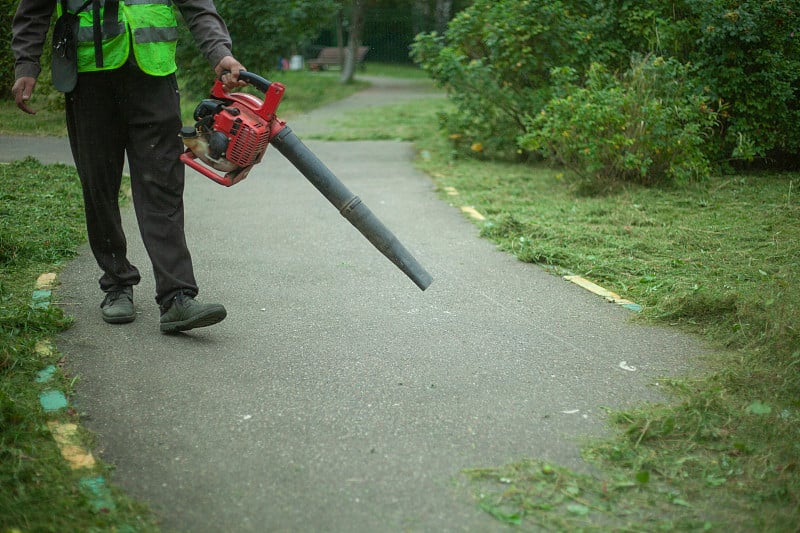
[41, 226]
[720, 259]
[48, 120]
[403, 122]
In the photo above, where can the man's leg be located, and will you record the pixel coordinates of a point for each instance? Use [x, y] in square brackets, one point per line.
[157, 181]
[157, 178]
[97, 138]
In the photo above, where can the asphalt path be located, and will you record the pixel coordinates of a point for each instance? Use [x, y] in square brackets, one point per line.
[337, 396]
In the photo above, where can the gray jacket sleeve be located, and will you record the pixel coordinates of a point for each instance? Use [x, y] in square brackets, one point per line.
[207, 27]
[28, 33]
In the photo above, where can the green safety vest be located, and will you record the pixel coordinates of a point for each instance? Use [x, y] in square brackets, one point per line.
[148, 27]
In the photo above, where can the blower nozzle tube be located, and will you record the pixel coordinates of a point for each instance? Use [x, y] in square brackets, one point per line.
[350, 206]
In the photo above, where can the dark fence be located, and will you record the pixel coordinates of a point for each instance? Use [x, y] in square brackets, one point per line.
[388, 32]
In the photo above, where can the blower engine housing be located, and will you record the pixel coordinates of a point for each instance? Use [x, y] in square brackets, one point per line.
[232, 131]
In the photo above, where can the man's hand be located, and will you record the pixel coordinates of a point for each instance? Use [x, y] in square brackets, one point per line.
[231, 78]
[22, 91]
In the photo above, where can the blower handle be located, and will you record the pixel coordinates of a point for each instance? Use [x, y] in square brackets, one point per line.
[188, 158]
[262, 84]
[273, 92]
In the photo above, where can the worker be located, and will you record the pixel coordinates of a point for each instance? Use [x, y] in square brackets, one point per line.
[115, 62]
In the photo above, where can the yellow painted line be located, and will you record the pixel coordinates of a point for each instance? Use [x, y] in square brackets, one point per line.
[467, 209]
[66, 436]
[471, 211]
[46, 281]
[43, 348]
[600, 291]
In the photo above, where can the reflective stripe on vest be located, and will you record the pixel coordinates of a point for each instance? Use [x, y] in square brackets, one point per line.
[74, 5]
[154, 29]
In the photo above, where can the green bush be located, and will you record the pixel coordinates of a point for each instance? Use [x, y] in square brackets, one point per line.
[495, 60]
[7, 10]
[648, 126]
[46, 96]
[748, 55]
[496, 57]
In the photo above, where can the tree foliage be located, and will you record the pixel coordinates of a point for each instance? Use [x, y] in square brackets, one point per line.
[748, 55]
[648, 126]
[7, 10]
[262, 32]
[495, 60]
[741, 59]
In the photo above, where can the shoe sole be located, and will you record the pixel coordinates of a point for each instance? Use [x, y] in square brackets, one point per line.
[209, 318]
[119, 319]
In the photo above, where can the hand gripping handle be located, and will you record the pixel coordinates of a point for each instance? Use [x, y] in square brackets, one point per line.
[273, 92]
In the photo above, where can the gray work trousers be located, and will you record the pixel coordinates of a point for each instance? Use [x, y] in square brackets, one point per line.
[111, 113]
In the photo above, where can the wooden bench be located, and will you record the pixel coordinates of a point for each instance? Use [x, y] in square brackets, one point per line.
[329, 56]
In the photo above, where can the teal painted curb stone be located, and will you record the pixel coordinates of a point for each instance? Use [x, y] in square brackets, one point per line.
[99, 495]
[52, 401]
[41, 299]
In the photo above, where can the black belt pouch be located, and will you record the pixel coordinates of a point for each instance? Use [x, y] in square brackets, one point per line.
[64, 64]
[65, 52]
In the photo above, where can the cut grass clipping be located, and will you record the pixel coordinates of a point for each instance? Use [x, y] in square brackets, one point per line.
[720, 258]
[41, 226]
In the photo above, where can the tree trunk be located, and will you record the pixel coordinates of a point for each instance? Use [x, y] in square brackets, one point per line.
[356, 27]
[443, 9]
[340, 36]
[420, 16]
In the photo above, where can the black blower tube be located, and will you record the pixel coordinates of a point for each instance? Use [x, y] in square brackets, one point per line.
[349, 205]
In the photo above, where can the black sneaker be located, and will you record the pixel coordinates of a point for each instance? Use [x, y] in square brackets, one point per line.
[184, 313]
[117, 306]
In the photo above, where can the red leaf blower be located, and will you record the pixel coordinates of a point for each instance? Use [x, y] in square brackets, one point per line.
[231, 135]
